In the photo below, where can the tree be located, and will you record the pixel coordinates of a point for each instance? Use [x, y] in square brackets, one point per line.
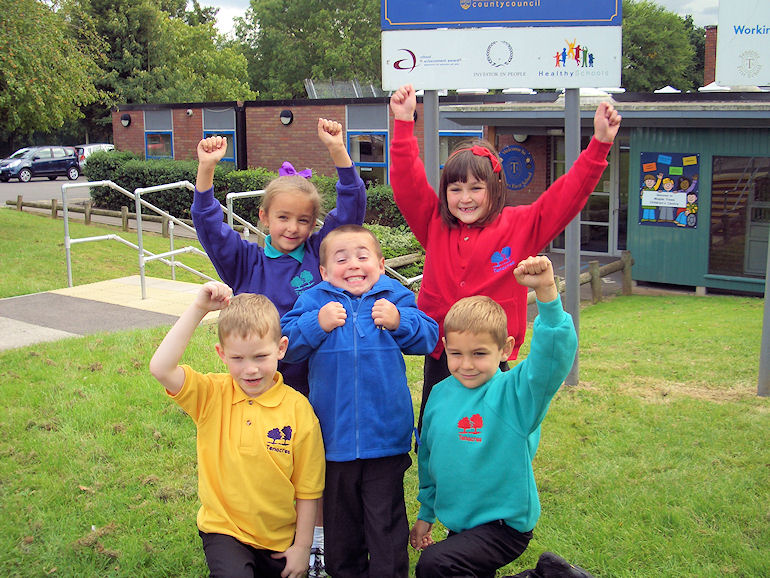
[288, 41]
[656, 49]
[44, 76]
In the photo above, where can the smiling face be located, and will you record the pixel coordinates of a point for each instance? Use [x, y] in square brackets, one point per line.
[351, 261]
[290, 220]
[252, 361]
[468, 201]
[473, 358]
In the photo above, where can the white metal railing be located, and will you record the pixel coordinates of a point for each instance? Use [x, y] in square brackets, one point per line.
[144, 255]
[168, 257]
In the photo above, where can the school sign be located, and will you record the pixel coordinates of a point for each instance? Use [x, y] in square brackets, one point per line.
[743, 39]
[500, 44]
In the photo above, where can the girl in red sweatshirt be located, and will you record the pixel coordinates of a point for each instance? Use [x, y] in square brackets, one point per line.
[471, 239]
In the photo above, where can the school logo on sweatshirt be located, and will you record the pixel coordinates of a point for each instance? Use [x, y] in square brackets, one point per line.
[278, 439]
[502, 260]
[470, 428]
[302, 281]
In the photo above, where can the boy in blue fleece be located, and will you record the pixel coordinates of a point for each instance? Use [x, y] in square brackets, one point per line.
[353, 327]
[481, 430]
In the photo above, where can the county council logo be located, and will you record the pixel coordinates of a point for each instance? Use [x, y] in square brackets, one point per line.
[499, 53]
[465, 4]
[749, 65]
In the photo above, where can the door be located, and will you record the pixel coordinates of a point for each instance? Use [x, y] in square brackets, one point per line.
[603, 219]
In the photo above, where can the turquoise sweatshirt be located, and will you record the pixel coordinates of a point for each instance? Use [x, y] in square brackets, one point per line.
[475, 461]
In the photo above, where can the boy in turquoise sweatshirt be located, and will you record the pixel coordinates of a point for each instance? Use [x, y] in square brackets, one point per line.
[481, 429]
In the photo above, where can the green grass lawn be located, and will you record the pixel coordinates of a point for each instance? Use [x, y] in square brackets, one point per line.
[657, 464]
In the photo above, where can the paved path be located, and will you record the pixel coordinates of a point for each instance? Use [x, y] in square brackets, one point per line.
[97, 307]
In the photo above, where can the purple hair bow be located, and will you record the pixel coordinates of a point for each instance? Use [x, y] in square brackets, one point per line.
[288, 169]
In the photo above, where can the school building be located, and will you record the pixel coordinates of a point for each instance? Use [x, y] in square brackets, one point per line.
[687, 189]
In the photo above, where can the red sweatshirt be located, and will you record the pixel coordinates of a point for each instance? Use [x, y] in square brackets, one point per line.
[462, 261]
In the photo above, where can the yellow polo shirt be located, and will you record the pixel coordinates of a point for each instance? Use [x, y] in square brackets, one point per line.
[255, 456]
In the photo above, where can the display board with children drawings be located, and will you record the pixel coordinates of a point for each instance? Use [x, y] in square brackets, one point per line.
[668, 191]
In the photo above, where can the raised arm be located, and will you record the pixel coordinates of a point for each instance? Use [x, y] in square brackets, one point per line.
[331, 134]
[606, 122]
[537, 273]
[164, 364]
[210, 152]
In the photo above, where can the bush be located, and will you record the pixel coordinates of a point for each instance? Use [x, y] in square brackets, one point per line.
[381, 208]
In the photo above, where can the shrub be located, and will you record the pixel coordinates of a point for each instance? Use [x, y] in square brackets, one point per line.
[381, 208]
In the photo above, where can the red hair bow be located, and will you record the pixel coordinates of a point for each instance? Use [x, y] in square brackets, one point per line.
[481, 151]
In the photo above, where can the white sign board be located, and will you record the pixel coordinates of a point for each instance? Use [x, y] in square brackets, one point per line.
[743, 43]
[552, 57]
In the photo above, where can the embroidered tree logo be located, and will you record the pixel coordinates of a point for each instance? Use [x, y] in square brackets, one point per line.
[475, 422]
[284, 433]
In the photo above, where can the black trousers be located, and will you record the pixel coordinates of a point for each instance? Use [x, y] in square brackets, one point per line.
[473, 553]
[229, 558]
[433, 371]
[366, 531]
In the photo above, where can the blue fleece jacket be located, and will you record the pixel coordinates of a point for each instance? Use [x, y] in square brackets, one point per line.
[357, 376]
[246, 267]
[475, 461]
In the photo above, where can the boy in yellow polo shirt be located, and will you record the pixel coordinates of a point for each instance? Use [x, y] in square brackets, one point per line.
[260, 452]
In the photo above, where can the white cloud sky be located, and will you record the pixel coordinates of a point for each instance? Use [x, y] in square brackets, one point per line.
[704, 12]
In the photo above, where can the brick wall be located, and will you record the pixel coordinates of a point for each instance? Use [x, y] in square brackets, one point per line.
[710, 60]
[271, 143]
[188, 131]
[131, 137]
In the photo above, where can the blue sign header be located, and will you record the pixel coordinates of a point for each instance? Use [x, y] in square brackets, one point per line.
[427, 14]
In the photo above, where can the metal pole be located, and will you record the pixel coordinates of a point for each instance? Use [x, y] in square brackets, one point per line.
[65, 216]
[139, 241]
[171, 245]
[572, 232]
[763, 387]
[430, 125]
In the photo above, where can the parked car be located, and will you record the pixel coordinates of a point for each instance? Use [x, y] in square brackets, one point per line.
[84, 150]
[46, 161]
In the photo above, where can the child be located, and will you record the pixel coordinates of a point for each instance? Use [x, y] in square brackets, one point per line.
[353, 327]
[288, 265]
[480, 428]
[470, 238]
[259, 444]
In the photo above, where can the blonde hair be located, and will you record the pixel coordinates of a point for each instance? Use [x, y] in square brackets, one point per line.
[292, 184]
[478, 314]
[458, 166]
[348, 229]
[249, 315]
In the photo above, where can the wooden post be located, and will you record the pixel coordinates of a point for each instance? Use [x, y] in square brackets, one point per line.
[87, 212]
[124, 217]
[596, 281]
[627, 262]
[54, 208]
[19, 203]
[164, 226]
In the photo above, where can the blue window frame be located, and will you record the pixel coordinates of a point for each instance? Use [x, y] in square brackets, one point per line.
[159, 144]
[369, 152]
[230, 135]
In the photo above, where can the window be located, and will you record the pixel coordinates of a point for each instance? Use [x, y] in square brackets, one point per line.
[158, 135]
[368, 152]
[740, 216]
[221, 122]
[368, 141]
[159, 145]
[230, 135]
[447, 141]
